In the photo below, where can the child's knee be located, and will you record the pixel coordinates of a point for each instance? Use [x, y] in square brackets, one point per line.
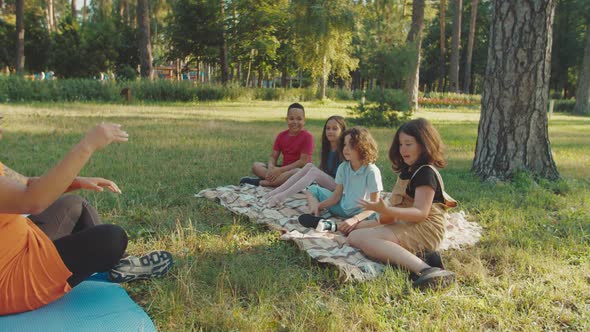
[308, 166]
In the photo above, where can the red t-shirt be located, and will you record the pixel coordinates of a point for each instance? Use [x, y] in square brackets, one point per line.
[293, 146]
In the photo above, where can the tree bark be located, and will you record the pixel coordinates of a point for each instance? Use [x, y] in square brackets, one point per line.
[456, 44]
[20, 36]
[84, 11]
[145, 46]
[74, 10]
[583, 91]
[223, 48]
[512, 134]
[443, 40]
[324, 77]
[415, 38]
[470, 40]
[50, 16]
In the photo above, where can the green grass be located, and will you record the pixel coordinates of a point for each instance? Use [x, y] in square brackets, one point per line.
[529, 272]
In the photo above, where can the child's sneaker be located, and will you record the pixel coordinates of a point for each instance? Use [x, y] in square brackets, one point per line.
[151, 265]
[248, 180]
[326, 226]
[309, 220]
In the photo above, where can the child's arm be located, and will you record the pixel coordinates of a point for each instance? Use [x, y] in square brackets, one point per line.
[315, 206]
[355, 221]
[272, 163]
[417, 213]
[334, 199]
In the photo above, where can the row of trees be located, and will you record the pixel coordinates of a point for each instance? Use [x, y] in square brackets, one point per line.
[357, 44]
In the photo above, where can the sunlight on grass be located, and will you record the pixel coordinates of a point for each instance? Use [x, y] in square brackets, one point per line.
[531, 271]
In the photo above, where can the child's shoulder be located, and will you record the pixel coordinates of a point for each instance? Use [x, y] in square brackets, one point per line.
[373, 168]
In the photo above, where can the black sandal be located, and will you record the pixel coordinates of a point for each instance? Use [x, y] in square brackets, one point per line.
[309, 220]
[434, 277]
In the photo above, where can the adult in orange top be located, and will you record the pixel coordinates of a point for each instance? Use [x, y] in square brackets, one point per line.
[34, 270]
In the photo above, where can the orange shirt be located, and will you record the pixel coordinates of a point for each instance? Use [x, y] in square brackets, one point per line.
[32, 273]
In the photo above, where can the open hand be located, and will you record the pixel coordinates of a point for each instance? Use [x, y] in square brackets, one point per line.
[379, 206]
[96, 184]
[314, 208]
[105, 134]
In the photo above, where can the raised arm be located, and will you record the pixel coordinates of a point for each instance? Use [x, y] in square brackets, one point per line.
[17, 197]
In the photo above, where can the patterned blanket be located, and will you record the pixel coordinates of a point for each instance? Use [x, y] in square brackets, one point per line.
[325, 247]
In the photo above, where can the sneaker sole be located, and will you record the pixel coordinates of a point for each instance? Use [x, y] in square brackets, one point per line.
[161, 262]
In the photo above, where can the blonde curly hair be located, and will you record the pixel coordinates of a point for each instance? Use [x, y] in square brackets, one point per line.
[362, 141]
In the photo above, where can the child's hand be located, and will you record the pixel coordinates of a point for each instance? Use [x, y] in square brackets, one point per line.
[348, 225]
[103, 135]
[314, 208]
[273, 174]
[96, 184]
[378, 206]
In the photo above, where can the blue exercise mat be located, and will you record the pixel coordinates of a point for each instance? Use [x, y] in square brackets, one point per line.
[94, 305]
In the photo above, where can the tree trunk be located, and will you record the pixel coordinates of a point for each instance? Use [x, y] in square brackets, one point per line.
[443, 41]
[512, 134]
[467, 77]
[324, 77]
[74, 10]
[415, 38]
[249, 67]
[583, 90]
[223, 48]
[20, 36]
[49, 14]
[84, 11]
[456, 44]
[284, 78]
[145, 46]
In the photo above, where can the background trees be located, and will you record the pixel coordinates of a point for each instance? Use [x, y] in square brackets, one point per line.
[262, 43]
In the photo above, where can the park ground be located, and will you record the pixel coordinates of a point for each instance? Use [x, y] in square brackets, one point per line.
[531, 270]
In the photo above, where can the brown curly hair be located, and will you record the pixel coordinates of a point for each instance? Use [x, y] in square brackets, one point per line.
[362, 141]
[428, 138]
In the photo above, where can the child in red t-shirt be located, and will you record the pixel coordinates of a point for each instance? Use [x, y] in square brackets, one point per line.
[296, 144]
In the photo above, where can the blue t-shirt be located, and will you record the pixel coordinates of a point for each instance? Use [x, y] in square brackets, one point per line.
[357, 184]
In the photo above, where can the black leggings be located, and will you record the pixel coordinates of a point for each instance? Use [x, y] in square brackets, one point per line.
[85, 245]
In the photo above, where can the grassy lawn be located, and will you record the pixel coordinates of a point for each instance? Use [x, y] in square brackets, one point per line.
[531, 271]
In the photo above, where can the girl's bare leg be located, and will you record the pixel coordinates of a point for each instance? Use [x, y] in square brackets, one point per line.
[383, 245]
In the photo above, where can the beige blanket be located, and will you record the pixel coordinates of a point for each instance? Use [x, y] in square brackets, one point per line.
[324, 247]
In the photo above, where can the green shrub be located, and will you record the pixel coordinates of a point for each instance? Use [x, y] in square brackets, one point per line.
[379, 115]
[564, 105]
[448, 99]
[387, 108]
[162, 90]
[126, 73]
[15, 89]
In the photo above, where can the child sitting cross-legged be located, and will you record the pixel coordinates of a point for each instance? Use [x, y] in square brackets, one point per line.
[356, 178]
[322, 175]
[295, 144]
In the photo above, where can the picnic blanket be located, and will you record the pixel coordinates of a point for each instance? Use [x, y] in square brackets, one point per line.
[94, 305]
[325, 247]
